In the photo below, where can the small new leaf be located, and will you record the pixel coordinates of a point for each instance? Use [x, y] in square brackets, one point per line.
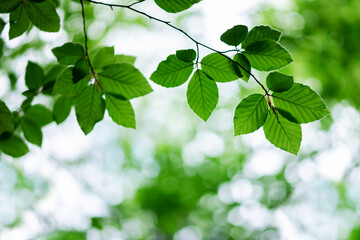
[267, 55]
[202, 94]
[279, 82]
[259, 33]
[250, 114]
[172, 72]
[302, 102]
[282, 133]
[219, 68]
[120, 111]
[187, 55]
[234, 36]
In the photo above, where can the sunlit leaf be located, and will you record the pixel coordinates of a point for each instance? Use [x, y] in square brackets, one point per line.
[250, 114]
[259, 33]
[186, 55]
[69, 53]
[103, 57]
[64, 84]
[279, 82]
[234, 36]
[120, 111]
[202, 94]
[287, 115]
[244, 62]
[43, 15]
[172, 72]
[120, 58]
[220, 68]
[174, 6]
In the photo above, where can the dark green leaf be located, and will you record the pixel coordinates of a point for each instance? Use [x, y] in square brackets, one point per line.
[43, 15]
[119, 58]
[202, 94]
[89, 108]
[19, 22]
[64, 84]
[27, 103]
[7, 6]
[220, 68]
[13, 80]
[287, 115]
[62, 108]
[80, 70]
[282, 133]
[259, 33]
[13, 146]
[34, 76]
[172, 72]
[54, 73]
[267, 55]
[244, 62]
[125, 80]
[2, 25]
[279, 82]
[103, 57]
[6, 124]
[234, 36]
[120, 111]
[29, 93]
[174, 6]
[187, 55]
[32, 132]
[39, 114]
[250, 114]
[69, 53]
[302, 102]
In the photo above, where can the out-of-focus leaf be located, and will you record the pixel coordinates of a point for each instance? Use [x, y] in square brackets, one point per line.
[6, 124]
[32, 132]
[13, 146]
[39, 114]
[34, 76]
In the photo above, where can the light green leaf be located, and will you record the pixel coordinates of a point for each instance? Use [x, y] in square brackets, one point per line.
[219, 68]
[39, 114]
[186, 55]
[69, 53]
[103, 57]
[259, 33]
[172, 72]
[120, 111]
[282, 133]
[120, 58]
[267, 55]
[80, 70]
[64, 84]
[7, 6]
[6, 124]
[89, 108]
[32, 132]
[34, 76]
[202, 94]
[279, 82]
[13, 146]
[125, 80]
[234, 36]
[43, 15]
[243, 61]
[62, 108]
[174, 6]
[19, 22]
[250, 114]
[302, 102]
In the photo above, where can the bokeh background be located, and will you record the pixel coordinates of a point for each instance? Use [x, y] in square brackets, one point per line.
[176, 177]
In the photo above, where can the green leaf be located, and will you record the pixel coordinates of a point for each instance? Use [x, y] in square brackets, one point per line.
[69, 53]
[32, 132]
[220, 68]
[19, 22]
[250, 114]
[34, 76]
[283, 134]
[120, 58]
[243, 61]
[202, 94]
[7, 6]
[53, 73]
[103, 57]
[174, 6]
[234, 36]
[172, 72]
[39, 114]
[2, 25]
[287, 115]
[267, 55]
[89, 108]
[302, 102]
[279, 82]
[187, 55]
[120, 111]
[64, 84]
[80, 70]
[125, 80]
[6, 124]
[260, 33]
[43, 15]
[13, 146]
[62, 108]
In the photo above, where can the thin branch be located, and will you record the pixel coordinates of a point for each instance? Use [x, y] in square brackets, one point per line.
[111, 5]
